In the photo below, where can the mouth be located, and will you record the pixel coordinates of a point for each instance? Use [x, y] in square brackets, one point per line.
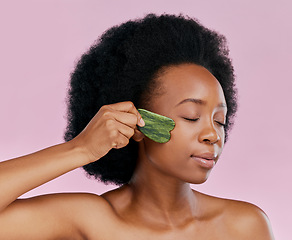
[206, 160]
[206, 155]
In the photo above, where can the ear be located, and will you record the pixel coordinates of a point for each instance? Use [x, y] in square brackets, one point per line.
[138, 136]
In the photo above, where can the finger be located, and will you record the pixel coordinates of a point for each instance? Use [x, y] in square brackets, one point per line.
[138, 136]
[124, 130]
[120, 142]
[128, 107]
[128, 119]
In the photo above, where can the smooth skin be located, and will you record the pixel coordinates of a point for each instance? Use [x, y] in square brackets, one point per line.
[158, 203]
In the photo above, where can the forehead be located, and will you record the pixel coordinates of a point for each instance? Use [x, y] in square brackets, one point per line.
[189, 81]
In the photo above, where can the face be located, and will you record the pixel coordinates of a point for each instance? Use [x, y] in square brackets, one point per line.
[194, 99]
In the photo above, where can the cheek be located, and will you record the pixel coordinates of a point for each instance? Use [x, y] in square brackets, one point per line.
[181, 135]
[158, 152]
[180, 142]
[178, 148]
[184, 134]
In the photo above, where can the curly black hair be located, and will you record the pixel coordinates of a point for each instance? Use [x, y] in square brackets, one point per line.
[123, 64]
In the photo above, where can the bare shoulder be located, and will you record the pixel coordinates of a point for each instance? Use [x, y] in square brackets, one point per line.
[70, 203]
[62, 216]
[91, 213]
[248, 219]
[242, 220]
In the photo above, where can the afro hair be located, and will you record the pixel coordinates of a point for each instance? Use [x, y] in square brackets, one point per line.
[122, 65]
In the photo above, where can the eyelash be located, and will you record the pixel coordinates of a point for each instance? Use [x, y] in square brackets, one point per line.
[193, 120]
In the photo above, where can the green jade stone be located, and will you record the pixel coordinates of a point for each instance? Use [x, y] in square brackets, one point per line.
[157, 127]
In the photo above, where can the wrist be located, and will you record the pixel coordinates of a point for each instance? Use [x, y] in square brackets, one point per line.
[83, 156]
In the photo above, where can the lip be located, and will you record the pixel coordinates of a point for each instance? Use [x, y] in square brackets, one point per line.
[206, 155]
[205, 160]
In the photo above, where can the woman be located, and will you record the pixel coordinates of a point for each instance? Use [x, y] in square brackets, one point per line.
[170, 65]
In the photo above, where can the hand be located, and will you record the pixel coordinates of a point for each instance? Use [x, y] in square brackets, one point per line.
[111, 127]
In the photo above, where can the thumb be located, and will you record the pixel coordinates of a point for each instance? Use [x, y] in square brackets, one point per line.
[138, 136]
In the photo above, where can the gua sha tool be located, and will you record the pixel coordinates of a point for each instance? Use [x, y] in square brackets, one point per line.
[157, 127]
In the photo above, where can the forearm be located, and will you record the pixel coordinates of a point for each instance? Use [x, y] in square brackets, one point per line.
[20, 175]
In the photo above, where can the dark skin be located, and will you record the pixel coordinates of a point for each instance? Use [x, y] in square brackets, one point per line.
[159, 195]
[161, 183]
[158, 203]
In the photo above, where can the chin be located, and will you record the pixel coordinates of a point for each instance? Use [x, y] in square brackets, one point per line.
[197, 179]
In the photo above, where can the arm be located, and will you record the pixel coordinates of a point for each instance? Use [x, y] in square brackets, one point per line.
[20, 175]
[43, 216]
[113, 124]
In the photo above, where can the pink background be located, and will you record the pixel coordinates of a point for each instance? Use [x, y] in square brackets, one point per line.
[41, 41]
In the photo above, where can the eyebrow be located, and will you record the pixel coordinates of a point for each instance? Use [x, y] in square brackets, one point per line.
[200, 102]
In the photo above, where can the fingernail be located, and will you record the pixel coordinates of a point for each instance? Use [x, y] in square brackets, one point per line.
[142, 123]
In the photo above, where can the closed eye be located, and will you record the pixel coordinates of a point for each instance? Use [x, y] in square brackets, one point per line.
[195, 119]
[190, 119]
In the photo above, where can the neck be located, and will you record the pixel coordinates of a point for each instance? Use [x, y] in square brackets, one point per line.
[159, 196]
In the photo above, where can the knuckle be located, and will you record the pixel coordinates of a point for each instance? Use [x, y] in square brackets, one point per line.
[122, 141]
[103, 108]
[106, 113]
[114, 134]
[131, 104]
[115, 144]
[109, 124]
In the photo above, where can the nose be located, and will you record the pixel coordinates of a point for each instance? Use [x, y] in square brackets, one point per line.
[209, 135]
